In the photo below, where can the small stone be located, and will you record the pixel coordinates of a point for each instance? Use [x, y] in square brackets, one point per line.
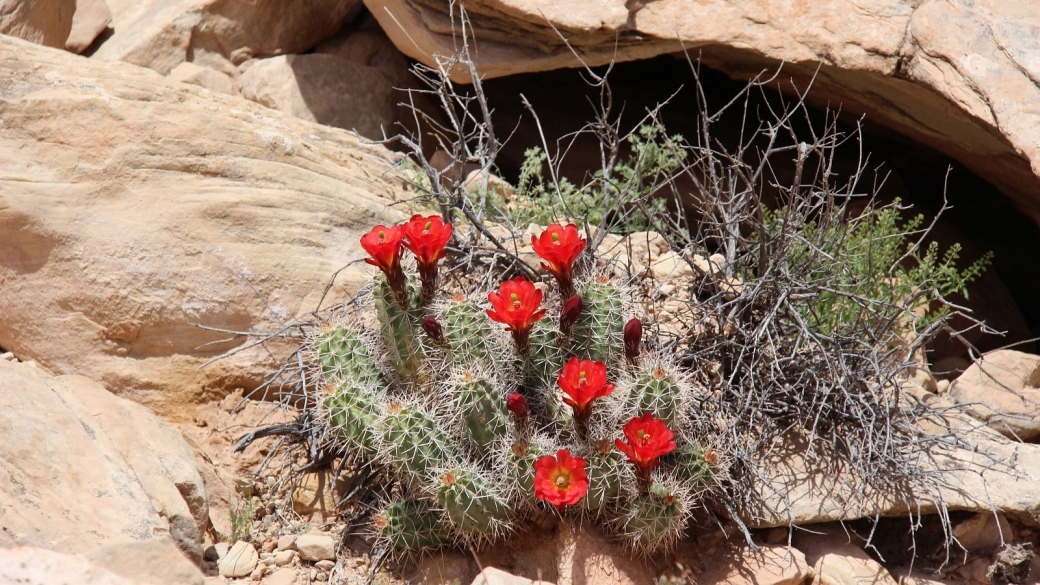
[284, 557]
[281, 577]
[269, 545]
[286, 542]
[315, 547]
[239, 561]
[257, 574]
[667, 290]
[7, 356]
[325, 565]
[493, 576]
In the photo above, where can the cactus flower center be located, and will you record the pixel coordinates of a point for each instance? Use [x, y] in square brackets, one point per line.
[516, 301]
[426, 228]
[562, 480]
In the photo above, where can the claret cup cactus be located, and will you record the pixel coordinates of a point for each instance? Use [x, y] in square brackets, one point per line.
[492, 405]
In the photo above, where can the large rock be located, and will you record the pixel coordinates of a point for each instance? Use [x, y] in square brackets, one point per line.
[134, 209]
[155, 560]
[960, 77]
[770, 565]
[84, 468]
[987, 472]
[32, 566]
[45, 22]
[836, 561]
[324, 88]
[161, 34]
[1001, 389]
[90, 19]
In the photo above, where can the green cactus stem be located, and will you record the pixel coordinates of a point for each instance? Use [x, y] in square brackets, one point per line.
[400, 334]
[598, 333]
[414, 442]
[472, 503]
[483, 411]
[412, 525]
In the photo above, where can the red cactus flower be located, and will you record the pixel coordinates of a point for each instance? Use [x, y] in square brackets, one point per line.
[633, 338]
[569, 314]
[426, 237]
[517, 306]
[560, 480]
[517, 404]
[383, 244]
[648, 439]
[582, 382]
[559, 246]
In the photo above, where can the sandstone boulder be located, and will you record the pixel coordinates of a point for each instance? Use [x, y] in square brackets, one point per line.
[31, 565]
[134, 209]
[155, 560]
[210, 79]
[44, 22]
[161, 34]
[84, 468]
[770, 565]
[837, 561]
[90, 19]
[239, 561]
[961, 78]
[990, 472]
[1002, 390]
[326, 89]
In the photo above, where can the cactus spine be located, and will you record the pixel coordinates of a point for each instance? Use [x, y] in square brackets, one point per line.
[655, 518]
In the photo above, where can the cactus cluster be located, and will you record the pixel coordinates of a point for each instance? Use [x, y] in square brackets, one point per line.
[484, 425]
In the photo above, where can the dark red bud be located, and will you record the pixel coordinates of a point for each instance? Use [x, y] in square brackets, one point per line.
[633, 338]
[517, 404]
[569, 314]
[433, 329]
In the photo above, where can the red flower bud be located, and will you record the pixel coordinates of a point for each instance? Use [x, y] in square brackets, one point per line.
[633, 338]
[560, 480]
[433, 329]
[560, 248]
[517, 404]
[569, 314]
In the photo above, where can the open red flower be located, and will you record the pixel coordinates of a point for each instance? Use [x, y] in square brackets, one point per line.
[560, 480]
[426, 238]
[582, 382]
[560, 247]
[383, 244]
[517, 305]
[648, 439]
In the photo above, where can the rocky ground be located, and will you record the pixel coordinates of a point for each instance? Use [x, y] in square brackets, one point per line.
[191, 176]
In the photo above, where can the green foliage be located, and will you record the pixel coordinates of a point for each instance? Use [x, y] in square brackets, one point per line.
[242, 515]
[654, 156]
[866, 266]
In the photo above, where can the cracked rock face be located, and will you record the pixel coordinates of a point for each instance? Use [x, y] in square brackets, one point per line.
[957, 76]
[134, 208]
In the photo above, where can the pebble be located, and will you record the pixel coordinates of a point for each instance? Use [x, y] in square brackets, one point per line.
[286, 542]
[315, 547]
[281, 577]
[325, 565]
[283, 557]
[269, 545]
[239, 561]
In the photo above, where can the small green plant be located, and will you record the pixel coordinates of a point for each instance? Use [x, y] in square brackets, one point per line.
[242, 514]
[654, 156]
[870, 264]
